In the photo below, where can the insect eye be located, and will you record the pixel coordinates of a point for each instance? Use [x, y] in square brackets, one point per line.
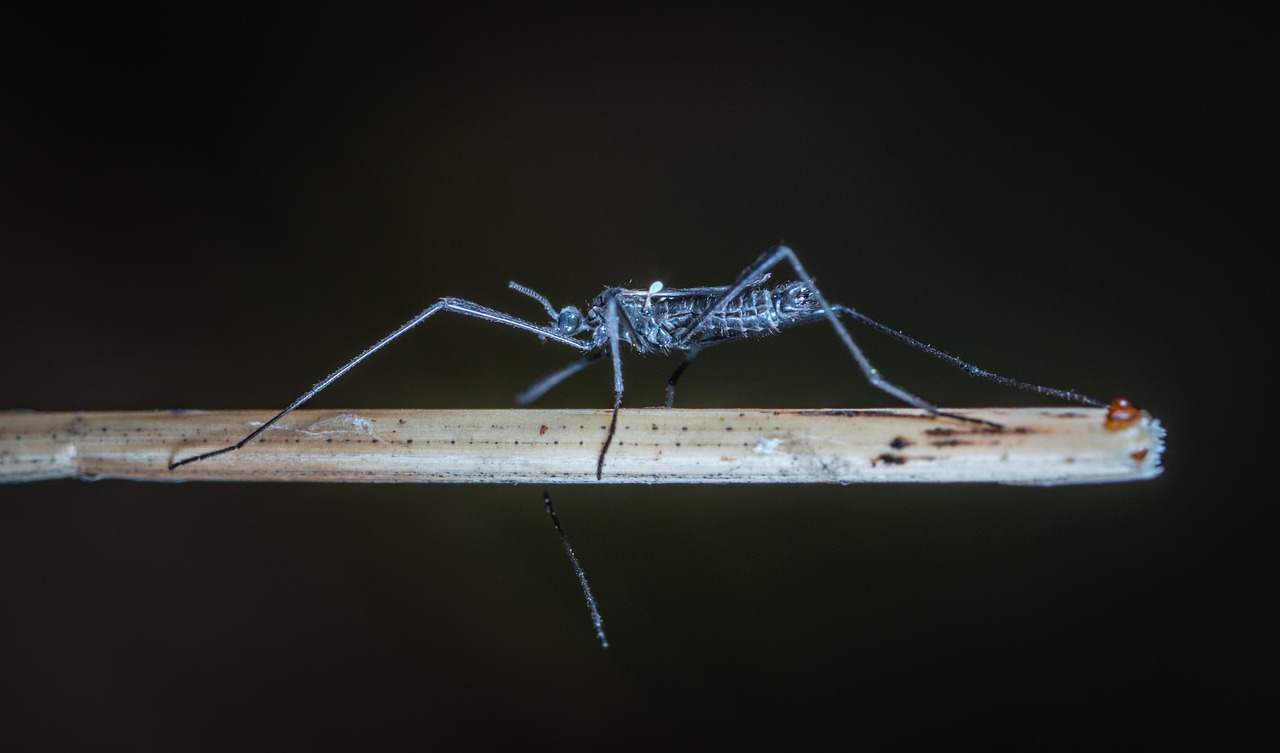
[569, 321]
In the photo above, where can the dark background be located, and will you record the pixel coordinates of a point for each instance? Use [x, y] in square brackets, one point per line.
[214, 211]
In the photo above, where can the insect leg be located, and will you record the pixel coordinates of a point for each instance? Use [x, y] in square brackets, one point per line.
[540, 387]
[770, 259]
[703, 344]
[456, 305]
[612, 314]
[968, 368]
[596, 619]
[671, 383]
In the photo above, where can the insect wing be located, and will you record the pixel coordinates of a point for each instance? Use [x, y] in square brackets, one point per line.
[703, 292]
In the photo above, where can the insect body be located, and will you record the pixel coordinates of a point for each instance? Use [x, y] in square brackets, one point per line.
[689, 318]
[660, 319]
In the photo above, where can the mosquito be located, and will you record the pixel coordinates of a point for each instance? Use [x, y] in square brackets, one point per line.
[661, 319]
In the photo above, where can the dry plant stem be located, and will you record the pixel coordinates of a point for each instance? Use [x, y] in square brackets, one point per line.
[1038, 446]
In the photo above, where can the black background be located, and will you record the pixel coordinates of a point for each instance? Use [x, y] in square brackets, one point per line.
[214, 211]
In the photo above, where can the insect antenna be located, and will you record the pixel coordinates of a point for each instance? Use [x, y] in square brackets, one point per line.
[535, 295]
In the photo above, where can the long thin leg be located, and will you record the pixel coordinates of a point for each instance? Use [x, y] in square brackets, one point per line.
[692, 354]
[596, 619]
[612, 314]
[456, 305]
[543, 385]
[675, 376]
[782, 253]
[968, 368]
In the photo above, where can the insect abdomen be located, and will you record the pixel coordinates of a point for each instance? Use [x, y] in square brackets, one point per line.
[752, 313]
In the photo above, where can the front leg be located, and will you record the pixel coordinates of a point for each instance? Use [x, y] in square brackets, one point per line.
[613, 315]
[453, 305]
